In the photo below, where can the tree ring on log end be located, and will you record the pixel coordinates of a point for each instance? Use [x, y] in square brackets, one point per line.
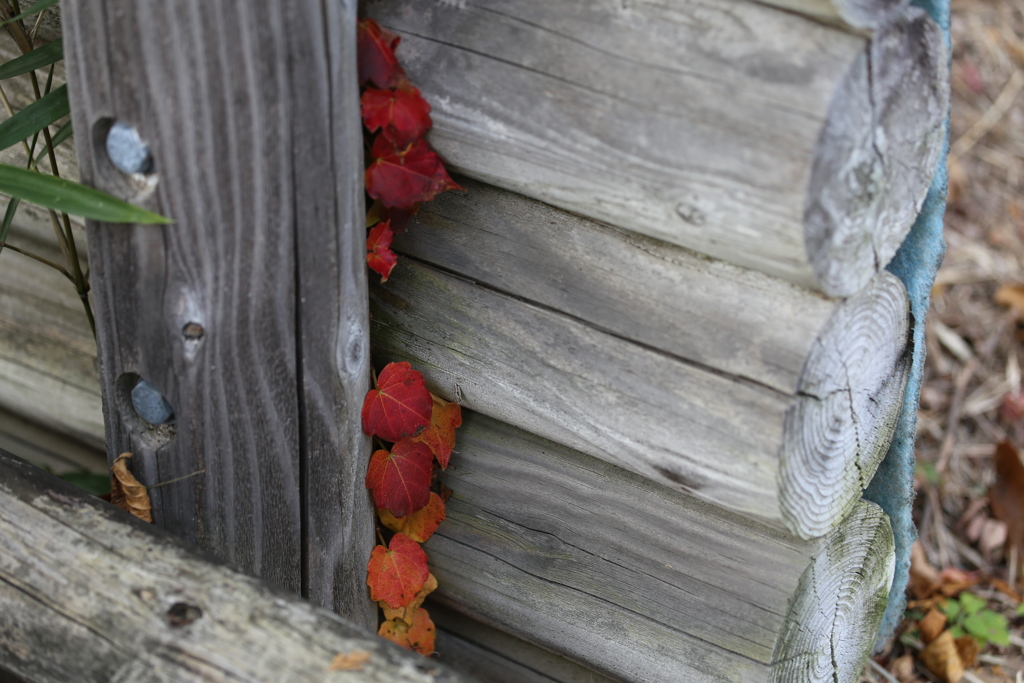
[849, 397]
[834, 616]
[877, 153]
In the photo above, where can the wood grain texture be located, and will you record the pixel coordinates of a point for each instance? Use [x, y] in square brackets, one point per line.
[47, 354]
[476, 649]
[848, 400]
[841, 597]
[606, 568]
[627, 350]
[257, 173]
[853, 15]
[710, 312]
[88, 593]
[699, 123]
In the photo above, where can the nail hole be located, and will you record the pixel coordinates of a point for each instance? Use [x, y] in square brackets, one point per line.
[182, 614]
[192, 331]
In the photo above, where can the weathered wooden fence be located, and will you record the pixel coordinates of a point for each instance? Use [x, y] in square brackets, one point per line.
[662, 301]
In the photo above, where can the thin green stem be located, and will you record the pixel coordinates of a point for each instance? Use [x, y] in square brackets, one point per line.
[24, 252]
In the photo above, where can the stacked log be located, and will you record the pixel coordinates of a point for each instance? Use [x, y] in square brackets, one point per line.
[664, 293]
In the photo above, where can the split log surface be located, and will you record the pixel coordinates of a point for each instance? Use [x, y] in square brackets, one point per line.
[88, 593]
[739, 388]
[634, 580]
[738, 130]
[249, 312]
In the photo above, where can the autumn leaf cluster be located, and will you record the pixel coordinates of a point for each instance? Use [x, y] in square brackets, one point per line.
[421, 427]
[402, 170]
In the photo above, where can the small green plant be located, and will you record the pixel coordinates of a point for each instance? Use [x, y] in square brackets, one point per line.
[968, 614]
[30, 128]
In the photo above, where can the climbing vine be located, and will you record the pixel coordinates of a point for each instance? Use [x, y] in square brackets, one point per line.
[414, 429]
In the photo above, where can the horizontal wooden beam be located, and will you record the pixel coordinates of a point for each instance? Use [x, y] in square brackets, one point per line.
[736, 387]
[747, 133]
[631, 579]
[88, 592]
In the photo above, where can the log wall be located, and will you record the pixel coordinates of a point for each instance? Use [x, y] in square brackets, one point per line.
[662, 302]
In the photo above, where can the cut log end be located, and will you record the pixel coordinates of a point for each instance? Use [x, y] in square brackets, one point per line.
[833, 620]
[848, 400]
[877, 153]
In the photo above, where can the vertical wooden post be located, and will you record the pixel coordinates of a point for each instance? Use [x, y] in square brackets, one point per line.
[249, 313]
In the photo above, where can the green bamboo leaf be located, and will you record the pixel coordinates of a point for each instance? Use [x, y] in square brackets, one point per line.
[37, 7]
[64, 195]
[33, 118]
[37, 59]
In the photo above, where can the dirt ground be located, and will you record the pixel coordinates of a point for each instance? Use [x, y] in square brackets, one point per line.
[971, 399]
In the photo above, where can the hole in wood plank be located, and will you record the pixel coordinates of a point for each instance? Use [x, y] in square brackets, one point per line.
[182, 614]
[124, 164]
[135, 405]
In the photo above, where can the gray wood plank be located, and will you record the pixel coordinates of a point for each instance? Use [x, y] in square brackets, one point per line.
[474, 648]
[710, 312]
[209, 309]
[686, 425]
[48, 369]
[89, 593]
[330, 220]
[636, 581]
[744, 132]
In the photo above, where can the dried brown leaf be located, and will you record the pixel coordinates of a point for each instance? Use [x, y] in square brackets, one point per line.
[1011, 295]
[127, 493]
[349, 661]
[932, 625]
[967, 648]
[1006, 495]
[924, 578]
[942, 658]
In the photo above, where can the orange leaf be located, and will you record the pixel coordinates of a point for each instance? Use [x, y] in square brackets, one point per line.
[942, 658]
[127, 493]
[349, 661]
[445, 418]
[420, 525]
[1006, 496]
[419, 637]
[397, 573]
[406, 613]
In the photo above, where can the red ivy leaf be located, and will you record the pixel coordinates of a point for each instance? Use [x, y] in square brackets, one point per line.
[397, 573]
[401, 113]
[400, 480]
[379, 256]
[400, 406]
[377, 61]
[401, 177]
[445, 418]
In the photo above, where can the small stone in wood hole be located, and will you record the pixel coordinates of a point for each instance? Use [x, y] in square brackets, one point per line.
[192, 331]
[150, 404]
[183, 614]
